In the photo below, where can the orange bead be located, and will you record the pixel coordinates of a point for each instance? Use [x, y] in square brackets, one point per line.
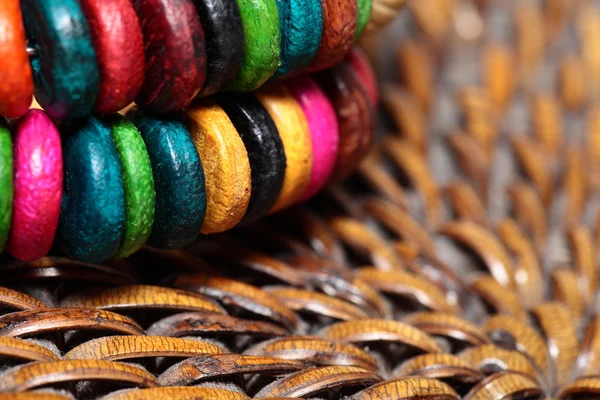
[16, 90]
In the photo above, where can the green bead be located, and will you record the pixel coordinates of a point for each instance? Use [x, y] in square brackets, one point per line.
[6, 182]
[364, 14]
[260, 19]
[138, 184]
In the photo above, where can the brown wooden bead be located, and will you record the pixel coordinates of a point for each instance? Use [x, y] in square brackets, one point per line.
[506, 385]
[200, 324]
[237, 294]
[407, 115]
[581, 246]
[362, 239]
[465, 203]
[379, 330]
[116, 348]
[142, 297]
[472, 158]
[560, 333]
[25, 350]
[529, 212]
[410, 287]
[198, 369]
[485, 245]
[588, 387]
[535, 166]
[307, 301]
[588, 361]
[412, 163]
[530, 37]
[575, 185]
[415, 70]
[547, 124]
[41, 321]
[573, 86]
[509, 332]
[355, 117]
[34, 395]
[567, 290]
[178, 393]
[529, 275]
[55, 372]
[448, 326]
[502, 299]
[499, 81]
[13, 299]
[339, 26]
[490, 359]
[439, 366]
[381, 180]
[408, 388]
[316, 351]
[318, 379]
[479, 117]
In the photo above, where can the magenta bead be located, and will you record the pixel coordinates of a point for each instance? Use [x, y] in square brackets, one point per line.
[37, 186]
[323, 126]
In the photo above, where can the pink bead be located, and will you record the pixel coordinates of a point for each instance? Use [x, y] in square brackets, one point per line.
[37, 186]
[323, 126]
[361, 65]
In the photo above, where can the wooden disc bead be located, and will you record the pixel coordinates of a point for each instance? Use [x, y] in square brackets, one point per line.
[301, 25]
[6, 182]
[295, 135]
[178, 180]
[355, 117]
[138, 184]
[264, 147]
[65, 70]
[364, 15]
[226, 166]
[92, 217]
[363, 69]
[260, 20]
[339, 26]
[175, 54]
[224, 37]
[323, 126]
[38, 178]
[119, 45]
[16, 90]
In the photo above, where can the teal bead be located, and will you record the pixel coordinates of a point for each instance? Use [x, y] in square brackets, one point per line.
[92, 217]
[178, 180]
[65, 69]
[301, 26]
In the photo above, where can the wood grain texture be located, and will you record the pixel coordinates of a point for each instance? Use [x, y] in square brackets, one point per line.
[408, 388]
[449, 326]
[225, 163]
[142, 297]
[16, 91]
[175, 54]
[33, 375]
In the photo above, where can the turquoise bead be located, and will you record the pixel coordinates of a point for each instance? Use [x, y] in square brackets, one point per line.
[65, 69]
[178, 180]
[301, 26]
[92, 217]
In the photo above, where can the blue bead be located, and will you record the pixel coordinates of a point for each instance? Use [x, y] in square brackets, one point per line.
[92, 217]
[301, 26]
[65, 68]
[178, 180]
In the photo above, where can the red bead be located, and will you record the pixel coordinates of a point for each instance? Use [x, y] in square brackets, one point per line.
[175, 54]
[119, 46]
